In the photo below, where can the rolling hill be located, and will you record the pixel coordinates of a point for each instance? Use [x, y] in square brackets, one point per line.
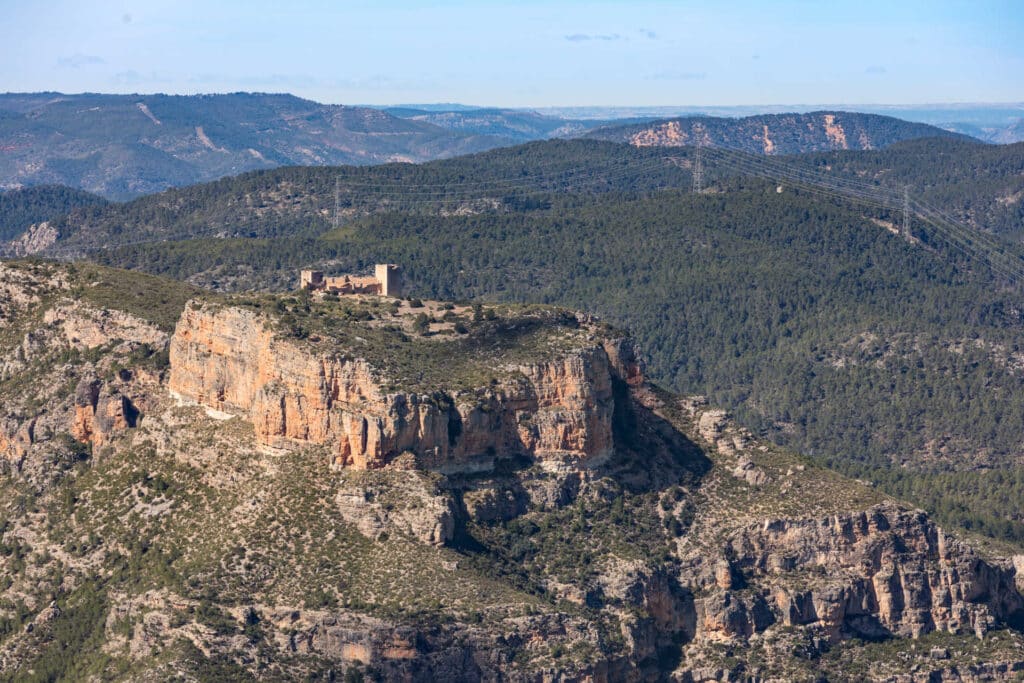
[982, 185]
[124, 146]
[20, 209]
[512, 124]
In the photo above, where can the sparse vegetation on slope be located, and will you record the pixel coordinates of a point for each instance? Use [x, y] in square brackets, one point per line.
[122, 146]
[419, 347]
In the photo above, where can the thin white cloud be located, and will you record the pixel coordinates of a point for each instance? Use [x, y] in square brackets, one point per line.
[134, 79]
[257, 81]
[584, 37]
[78, 60]
[680, 76]
[875, 70]
[290, 82]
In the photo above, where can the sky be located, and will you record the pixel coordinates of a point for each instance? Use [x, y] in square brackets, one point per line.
[524, 53]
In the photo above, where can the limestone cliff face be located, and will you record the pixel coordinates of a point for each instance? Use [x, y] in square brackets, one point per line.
[558, 411]
[883, 572]
[772, 134]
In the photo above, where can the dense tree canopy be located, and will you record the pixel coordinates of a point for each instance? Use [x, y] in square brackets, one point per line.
[21, 208]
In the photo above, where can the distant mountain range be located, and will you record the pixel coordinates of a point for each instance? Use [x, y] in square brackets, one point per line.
[774, 133]
[125, 146]
[122, 146]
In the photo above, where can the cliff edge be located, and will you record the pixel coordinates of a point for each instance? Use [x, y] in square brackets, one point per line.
[556, 408]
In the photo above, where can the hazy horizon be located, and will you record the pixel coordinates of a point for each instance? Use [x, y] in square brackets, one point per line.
[447, 106]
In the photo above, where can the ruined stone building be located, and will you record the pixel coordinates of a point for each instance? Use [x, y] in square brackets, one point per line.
[385, 281]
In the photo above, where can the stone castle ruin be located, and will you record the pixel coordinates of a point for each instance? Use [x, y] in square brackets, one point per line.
[385, 281]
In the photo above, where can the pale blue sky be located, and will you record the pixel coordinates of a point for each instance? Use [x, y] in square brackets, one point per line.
[524, 53]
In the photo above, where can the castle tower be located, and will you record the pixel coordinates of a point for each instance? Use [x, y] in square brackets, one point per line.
[390, 278]
[311, 279]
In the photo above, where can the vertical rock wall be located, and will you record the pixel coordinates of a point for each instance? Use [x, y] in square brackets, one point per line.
[558, 411]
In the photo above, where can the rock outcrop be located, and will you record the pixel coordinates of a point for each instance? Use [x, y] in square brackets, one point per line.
[772, 134]
[405, 502]
[876, 574]
[446, 653]
[84, 327]
[558, 411]
[38, 237]
[100, 411]
[563, 521]
[15, 440]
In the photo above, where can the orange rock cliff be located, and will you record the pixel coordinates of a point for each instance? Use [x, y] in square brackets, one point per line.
[557, 411]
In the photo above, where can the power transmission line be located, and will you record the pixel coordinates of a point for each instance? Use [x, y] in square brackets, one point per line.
[972, 242]
[698, 169]
[336, 223]
[906, 212]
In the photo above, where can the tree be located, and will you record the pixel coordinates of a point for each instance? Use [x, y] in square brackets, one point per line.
[421, 325]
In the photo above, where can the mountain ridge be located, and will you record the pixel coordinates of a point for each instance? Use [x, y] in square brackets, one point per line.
[789, 133]
[125, 145]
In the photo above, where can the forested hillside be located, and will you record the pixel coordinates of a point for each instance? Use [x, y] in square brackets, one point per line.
[295, 201]
[21, 208]
[982, 185]
[890, 360]
[514, 124]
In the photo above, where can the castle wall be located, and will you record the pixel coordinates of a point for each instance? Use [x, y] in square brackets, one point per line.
[348, 284]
